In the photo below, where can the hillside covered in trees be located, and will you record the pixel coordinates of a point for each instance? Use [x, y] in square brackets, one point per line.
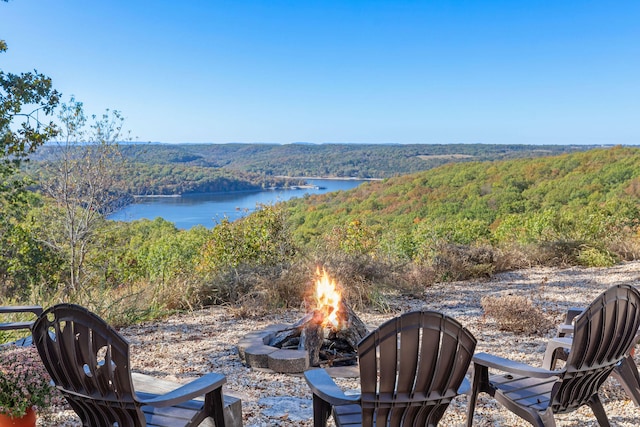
[489, 201]
[142, 179]
[333, 160]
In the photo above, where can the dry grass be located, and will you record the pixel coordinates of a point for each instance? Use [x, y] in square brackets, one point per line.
[517, 314]
[461, 262]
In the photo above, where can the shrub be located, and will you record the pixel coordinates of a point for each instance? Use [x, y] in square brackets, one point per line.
[461, 262]
[355, 239]
[550, 254]
[512, 257]
[516, 314]
[24, 382]
[627, 250]
[264, 299]
[595, 257]
[262, 238]
[254, 291]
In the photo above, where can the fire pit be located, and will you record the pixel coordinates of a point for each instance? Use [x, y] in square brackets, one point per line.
[327, 335]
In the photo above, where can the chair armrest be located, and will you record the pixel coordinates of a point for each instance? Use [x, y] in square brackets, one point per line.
[565, 329]
[14, 309]
[196, 388]
[560, 342]
[506, 365]
[35, 309]
[550, 355]
[323, 386]
[465, 387]
[572, 313]
[12, 326]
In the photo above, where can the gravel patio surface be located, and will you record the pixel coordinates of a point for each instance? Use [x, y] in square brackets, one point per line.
[185, 346]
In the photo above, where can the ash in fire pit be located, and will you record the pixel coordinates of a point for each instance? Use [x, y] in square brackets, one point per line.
[327, 336]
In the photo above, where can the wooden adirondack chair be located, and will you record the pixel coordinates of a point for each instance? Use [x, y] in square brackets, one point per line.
[411, 367]
[626, 372]
[602, 337]
[89, 363]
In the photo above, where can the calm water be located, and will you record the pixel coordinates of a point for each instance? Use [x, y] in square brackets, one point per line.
[208, 209]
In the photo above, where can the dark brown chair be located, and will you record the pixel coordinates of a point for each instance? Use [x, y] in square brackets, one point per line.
[89, 363]
[411, 368]
[602, 337]
[626, 372]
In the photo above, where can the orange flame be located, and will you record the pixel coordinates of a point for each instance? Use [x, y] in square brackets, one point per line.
[327, 299]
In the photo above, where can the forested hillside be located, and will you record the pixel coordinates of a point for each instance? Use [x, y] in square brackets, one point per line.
[325, 160]
[172, 169]
[575, 197]
[138, 178]
[335, 160]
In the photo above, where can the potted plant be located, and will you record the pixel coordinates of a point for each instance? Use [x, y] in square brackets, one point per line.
[25, 386]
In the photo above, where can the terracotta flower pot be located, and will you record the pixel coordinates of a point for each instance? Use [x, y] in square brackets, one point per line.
[29, 420]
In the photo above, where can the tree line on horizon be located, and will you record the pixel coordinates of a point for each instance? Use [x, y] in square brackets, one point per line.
[334, 160]
[175, 169]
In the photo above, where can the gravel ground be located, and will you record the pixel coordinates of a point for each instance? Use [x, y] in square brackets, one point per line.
[185, 346]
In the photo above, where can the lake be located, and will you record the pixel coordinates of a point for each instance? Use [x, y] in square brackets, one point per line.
[209, 209]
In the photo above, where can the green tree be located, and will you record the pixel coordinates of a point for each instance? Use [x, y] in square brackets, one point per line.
[25, 101]
[81, 181]
[262, 238]
[22, 132]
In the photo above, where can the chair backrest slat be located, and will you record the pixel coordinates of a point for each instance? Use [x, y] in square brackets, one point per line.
[428, 360]
[410, 341]
[388, 365]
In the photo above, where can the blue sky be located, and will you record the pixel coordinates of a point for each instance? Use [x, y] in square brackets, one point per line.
[529, 72]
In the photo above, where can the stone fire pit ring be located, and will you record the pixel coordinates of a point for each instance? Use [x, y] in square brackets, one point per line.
[254, 352]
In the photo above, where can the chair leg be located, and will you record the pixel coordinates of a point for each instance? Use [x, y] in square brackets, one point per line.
[598, 410]
[547, 419]
[213, 404]
[627, 374]
[480, 377]
[321, 412]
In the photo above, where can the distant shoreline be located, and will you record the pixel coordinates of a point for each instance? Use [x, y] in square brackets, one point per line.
[160, 196]
[291, 187]
[332, 178]
[191, 209]
[155, 195]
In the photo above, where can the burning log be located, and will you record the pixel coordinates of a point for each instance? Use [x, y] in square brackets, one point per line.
[311, 339]
[355, 330]
[329, 344]
[290, 337]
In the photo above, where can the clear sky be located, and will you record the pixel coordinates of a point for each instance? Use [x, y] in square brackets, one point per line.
[370, 71]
